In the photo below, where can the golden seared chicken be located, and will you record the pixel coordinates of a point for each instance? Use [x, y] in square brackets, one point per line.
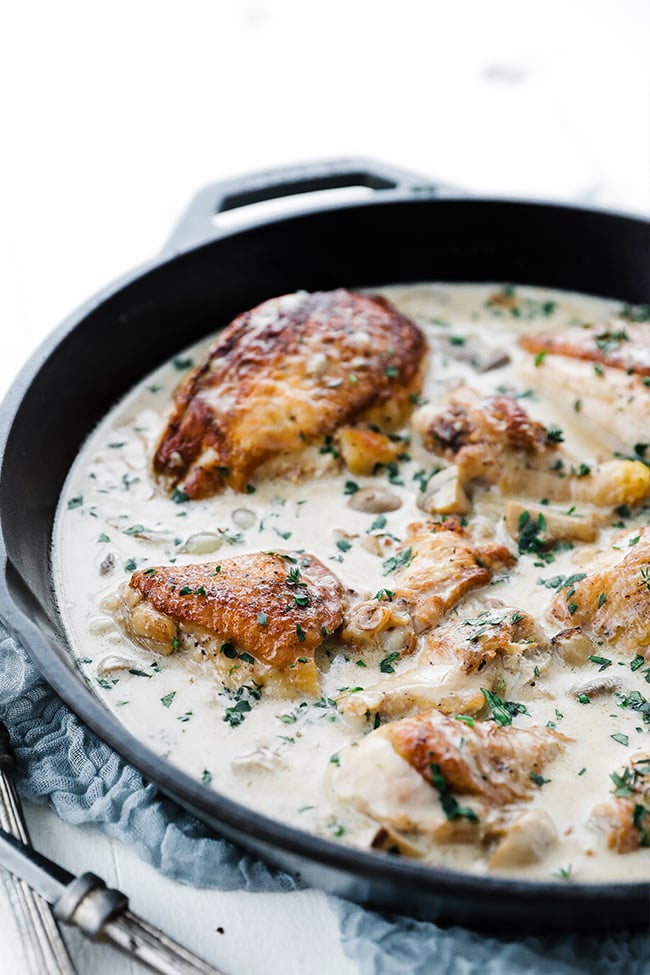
[260, 616]
[448, 780]
[283, 377]
[439, 563]
[502, 648]
[624, 345]
[435, 566]
[493, 440]
[603, 367]
[484, 435]
[612, 602]
[625, 817]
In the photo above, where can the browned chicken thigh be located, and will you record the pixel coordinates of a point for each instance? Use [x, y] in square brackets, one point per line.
[259, 616]
[451, 781]
[612, 601]
[484, 435]
[624, 818]
[441, 562]
[493, 440]
[623, 345]
[604, 367]
[282, 377]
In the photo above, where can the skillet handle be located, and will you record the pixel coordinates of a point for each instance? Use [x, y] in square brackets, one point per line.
[196, 226]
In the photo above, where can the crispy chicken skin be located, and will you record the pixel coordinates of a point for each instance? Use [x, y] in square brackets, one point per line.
[625, 818]
[443, 562]
[284, 376]
[482, 760]
[623, 345]
[604, 367]
[493, 440]
[274, 608]
[435, 776]
[482, 434]
[612, 603]
[502, 648]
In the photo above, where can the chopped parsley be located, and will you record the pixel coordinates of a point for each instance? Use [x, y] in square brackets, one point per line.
[386, 665]
[604, 662]
[554, 434]
[386, 595]
[397, 561]
[539, 780]
[502, 711]
[450, 805]
[235, 714]
[168, 698]
[181, 363]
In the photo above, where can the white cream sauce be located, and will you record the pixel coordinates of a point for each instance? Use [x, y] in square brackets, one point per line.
[113, 518]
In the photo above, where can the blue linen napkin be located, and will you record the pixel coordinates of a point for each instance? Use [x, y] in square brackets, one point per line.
[62, 763]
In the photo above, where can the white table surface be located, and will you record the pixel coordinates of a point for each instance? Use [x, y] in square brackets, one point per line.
[114, 114]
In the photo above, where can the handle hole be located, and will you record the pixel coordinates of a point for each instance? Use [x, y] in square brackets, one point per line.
[234, 214]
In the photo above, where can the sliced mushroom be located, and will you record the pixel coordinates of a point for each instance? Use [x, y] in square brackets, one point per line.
[558, 526]
[573, 646]
[107, 564]
[113, 662]
[244, 517]
[374, 501]
[597, 687]
[391, 841]
[527, 840]
[200, 543]
[445, 494]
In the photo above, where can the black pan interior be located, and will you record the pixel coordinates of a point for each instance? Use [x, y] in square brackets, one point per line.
[99, 354]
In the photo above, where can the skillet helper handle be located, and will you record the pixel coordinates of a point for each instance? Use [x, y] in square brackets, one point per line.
[153, 948]
[102, 914]
[196, 225]
[42, 942]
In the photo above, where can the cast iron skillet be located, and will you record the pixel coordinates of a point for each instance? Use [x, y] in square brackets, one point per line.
[407, 231]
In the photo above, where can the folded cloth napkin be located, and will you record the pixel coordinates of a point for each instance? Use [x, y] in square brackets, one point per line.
[64, 764]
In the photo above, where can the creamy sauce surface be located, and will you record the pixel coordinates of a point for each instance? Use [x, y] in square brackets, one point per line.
[280, 758]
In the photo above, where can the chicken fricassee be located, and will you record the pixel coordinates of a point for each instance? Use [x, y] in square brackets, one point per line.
[379, 566]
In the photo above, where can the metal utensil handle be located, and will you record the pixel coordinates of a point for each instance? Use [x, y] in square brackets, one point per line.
[196, 227]
[153, 948]
[41, 938]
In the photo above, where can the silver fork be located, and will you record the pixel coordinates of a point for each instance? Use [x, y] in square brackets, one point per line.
[44, 947]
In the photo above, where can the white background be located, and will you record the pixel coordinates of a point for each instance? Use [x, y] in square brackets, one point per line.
[113, 114]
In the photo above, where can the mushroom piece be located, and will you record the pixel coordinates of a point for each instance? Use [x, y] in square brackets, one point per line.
[113, 662]
[596, 687]
[445, 494]
[573, 646]
[553, 524]
[392, 841]
[201, 543]
[374, 501]
[527, 840]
